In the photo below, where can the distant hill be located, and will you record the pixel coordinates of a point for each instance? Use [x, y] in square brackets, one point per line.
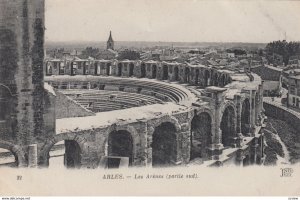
[143, 44]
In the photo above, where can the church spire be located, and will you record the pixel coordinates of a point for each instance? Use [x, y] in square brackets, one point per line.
[110, 42]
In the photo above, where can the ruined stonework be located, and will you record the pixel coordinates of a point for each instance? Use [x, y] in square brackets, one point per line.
[200, 116]
[23, 101]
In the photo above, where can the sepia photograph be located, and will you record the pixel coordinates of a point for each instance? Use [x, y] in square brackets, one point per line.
[149, 98]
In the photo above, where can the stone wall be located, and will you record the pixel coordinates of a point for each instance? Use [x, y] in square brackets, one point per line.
[66, 107]
[21, 67]
[282, 113]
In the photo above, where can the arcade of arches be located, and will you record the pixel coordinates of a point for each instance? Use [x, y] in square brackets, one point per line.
[168, 144]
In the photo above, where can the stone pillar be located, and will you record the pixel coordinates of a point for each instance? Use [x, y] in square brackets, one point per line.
[185, 144]
[261, 89]
[21, 67]
[252, 111]
[237, 99]
[32, 155]
[150, 131]
[218, 98]
[239, 137]
[257, 111]
[254, 150]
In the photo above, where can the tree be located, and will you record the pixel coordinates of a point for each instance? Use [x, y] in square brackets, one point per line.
[90, 52]
[283, 48]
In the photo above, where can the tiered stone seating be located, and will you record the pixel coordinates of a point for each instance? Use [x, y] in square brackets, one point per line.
[172, 92]
[102, 100]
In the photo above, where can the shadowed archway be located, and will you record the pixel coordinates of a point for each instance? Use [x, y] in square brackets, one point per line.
[201, 135]
[245, 117]
[120, 144]
[164, 145]
[228, 126]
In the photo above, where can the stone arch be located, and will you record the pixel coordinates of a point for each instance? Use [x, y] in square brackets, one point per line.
[206, 78]
[187, 75]
[245, 117]
[143, 70]
[176, 75]
[131, 69]
[228, 124]
[120, 143]
[44, 152]
[154, 71]
[214, 80]
[167, 118]
[197, 73]
[201, 134]
[164, 145]
[16, 150]
[108, 69]
[222, 82]
[134, 135]
[119, 71]
[96, 70]
[49, 69]
[165, 72]
[74, 68]
[152, 129]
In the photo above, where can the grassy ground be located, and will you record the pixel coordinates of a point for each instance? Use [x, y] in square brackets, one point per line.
[289, 136]
[272, 148]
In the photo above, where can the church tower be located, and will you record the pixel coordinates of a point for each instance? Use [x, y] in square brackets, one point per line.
[110, 42]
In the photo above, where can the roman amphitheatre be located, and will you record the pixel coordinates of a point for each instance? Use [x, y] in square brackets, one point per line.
[110, 114]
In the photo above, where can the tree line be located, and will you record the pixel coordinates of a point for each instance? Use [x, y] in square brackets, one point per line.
[283, 48]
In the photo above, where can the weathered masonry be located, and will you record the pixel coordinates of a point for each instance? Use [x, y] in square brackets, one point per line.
[181, 114]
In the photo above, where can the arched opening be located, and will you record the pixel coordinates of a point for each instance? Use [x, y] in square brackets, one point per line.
[154, 69]
[206, 78]
[65, 153]
[8, 158]
[97, 68]
[187, 75]
[73, 68]
[49, 69]
[131, 69]
[197, 77]
[201, 136]
[228, 126]
[214, 81]
[120, 149]
[108, 69]
[120, 69]
[164, 145]
[176, 77]
[143, 70]
[245, 117]
[85, 68]
[61, 68]
[222, 81]
[165, 73]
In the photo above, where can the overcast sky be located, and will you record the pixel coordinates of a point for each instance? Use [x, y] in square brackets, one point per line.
[172, 20]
